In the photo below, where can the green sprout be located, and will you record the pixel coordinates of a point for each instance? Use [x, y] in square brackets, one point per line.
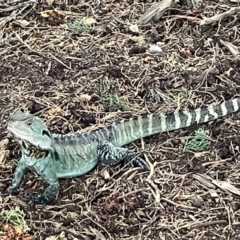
[111, 99]
[83, 25]
[16, 217]
[199, 142]
[183, 95]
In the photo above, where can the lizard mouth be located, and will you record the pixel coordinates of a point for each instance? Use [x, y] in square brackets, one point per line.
[29, 145]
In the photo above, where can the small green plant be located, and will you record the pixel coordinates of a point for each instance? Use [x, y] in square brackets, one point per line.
[83, 25]
[183, 95]
[199, 142]
[16, 217]
[111, 99]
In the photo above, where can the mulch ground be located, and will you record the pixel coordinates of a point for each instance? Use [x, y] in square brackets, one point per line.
[84, 64]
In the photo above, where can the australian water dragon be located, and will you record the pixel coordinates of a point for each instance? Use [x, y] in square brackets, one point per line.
[56, 156]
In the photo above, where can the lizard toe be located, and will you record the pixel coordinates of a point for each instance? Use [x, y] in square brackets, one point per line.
[12, 190]
[138, 162]
[40, 199]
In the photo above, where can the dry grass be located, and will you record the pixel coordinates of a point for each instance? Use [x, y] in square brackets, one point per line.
[102, 72]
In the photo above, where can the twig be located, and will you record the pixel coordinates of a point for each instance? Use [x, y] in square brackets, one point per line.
[155, 12]
[232, 48]
[219, 17]
[205, 224]
[25, 4]
[59, 61]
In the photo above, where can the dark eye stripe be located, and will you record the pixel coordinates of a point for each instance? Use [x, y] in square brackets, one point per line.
[45, 132]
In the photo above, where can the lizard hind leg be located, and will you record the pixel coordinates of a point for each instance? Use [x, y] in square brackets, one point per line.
[109, 154]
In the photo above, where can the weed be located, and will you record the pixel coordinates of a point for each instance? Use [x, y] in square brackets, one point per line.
[83, 25]
[111, 99]
[199, 142]
[183, 95]
[16, 217]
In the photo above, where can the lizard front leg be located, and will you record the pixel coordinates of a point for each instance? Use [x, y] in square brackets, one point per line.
[50, 192]
[18, 175]
[109, 154]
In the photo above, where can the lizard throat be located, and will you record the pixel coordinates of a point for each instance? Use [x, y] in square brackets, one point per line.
[37, 154]
[32, 151]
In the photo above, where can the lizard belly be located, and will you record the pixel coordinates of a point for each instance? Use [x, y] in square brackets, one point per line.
[80, 169]
[73, 161]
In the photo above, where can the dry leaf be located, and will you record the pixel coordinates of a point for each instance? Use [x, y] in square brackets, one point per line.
[197, 201]
[227, 186]
[88, 21]
[155, 49]
[214, 195]
[3, 155]
[54, 110]
[138, 39]
[50, 2]
[134, 28]
[85, 97]
[54, 14]
[156, 11]
[204, 179]
[30, 183]
[50, 13]
[109, 116]
[44, 14]
[98, 234]
[22, 22]
[232, 48]
[3, 143]
[3, 151]
[208, 181]
[52, 238]
[105, 174]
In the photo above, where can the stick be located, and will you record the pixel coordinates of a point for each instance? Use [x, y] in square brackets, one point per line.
[220, 16]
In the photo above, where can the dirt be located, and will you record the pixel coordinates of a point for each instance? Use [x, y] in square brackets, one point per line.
[98, 74]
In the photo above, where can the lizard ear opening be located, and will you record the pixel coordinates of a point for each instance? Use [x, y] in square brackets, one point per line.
[45, 132]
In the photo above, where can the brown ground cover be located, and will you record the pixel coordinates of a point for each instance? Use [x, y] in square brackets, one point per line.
[83, 64]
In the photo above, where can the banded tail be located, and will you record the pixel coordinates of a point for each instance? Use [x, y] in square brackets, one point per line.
[127, 131]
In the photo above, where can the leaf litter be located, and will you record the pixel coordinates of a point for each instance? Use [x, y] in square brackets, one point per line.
[57, 73]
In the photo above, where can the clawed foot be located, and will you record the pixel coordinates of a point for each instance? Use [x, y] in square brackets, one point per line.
[137, 161]
[39, 199]
[12, 190]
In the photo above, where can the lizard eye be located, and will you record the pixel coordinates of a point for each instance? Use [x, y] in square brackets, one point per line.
[29, 122]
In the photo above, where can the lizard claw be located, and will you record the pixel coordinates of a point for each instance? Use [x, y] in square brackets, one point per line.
[138, 162]
[12, 190]
[40, 199]
[27, 199]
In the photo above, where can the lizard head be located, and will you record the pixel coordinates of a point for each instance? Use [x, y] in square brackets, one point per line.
[30, 131]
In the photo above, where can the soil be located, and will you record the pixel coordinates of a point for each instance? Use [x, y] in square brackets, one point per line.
[78, 76]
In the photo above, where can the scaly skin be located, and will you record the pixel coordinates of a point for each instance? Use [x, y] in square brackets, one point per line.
[55, 156]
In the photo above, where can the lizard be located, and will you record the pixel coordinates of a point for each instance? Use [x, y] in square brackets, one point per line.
[55, 156]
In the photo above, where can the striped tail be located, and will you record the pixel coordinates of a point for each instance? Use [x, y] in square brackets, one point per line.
[129, 130]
